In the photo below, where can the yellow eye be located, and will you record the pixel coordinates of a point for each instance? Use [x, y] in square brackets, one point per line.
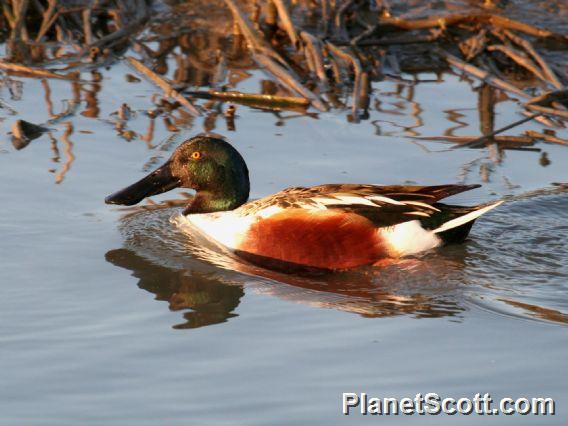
[196, 155]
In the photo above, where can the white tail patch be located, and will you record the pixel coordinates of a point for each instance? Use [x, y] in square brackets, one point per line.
[409, 238]
[458, 221]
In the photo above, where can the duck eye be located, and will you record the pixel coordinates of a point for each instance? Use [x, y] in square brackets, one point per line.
[196, 155]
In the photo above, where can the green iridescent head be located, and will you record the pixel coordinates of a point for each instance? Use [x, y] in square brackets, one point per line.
[209, 165]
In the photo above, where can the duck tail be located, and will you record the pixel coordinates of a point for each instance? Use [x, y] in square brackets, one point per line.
[457, 228]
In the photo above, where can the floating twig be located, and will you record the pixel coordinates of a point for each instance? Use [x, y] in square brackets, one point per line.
[546, 137]
[253, 98]
[36, 72]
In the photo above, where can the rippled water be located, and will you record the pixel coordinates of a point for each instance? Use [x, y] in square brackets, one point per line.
[115, 316]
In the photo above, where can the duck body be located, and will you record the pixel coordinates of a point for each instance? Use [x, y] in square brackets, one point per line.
[339, 226]
[325, 227]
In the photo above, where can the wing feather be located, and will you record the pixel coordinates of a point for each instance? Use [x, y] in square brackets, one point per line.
[383, 205]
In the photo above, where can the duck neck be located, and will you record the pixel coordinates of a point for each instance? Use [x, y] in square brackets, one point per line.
[209, 202]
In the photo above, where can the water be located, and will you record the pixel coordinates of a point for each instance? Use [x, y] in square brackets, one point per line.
[112, 315]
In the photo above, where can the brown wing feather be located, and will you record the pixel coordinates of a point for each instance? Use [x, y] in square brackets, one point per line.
[298, 196]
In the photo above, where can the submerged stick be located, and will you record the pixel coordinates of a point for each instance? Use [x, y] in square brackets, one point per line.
[476, 143]
[516, 140]
[163, 84]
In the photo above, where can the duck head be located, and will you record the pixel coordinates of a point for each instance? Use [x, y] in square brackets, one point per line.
[210, 166]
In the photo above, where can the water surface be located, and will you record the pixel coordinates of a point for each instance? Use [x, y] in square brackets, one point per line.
[112, 315]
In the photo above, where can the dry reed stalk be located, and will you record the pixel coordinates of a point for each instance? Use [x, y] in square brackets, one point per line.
[121, 34]
[19, 10]
[547, 110]
[289, 81]
[550, 97]
[48, 19]
[314, 46]
[444, 21]
[87, 30]
[254, 41]
[163, 84]
[357, 69]
[340, 31]
[527, 45]
[287, 21]
[480, 74]
[404, 39]
[520, 59]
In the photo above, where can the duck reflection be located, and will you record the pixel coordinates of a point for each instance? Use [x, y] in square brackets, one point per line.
[188, 274]
[208, 301]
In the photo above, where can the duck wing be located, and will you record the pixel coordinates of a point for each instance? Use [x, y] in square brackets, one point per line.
[383, 205]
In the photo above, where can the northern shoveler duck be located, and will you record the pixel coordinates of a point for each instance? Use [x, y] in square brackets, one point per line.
[329, 227]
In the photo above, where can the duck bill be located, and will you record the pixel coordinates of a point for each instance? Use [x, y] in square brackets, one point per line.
[159, 181]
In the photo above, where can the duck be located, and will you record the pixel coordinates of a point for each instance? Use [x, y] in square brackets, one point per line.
[329, 227]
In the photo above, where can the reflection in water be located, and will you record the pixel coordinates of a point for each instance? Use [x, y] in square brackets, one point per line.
[538, 311]
[209, 301]
[68, 150]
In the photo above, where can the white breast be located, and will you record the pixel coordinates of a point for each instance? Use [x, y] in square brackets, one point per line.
[225, 228]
